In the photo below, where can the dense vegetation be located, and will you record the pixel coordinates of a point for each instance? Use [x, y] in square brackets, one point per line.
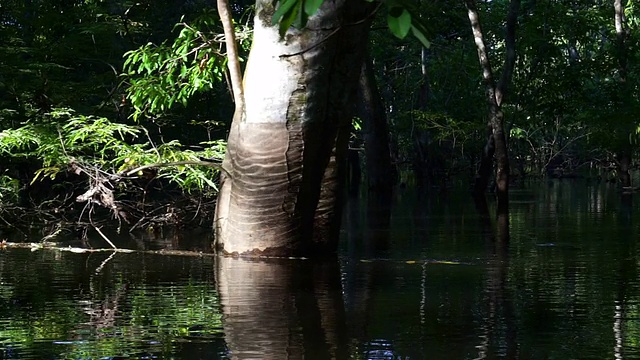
[119, 107]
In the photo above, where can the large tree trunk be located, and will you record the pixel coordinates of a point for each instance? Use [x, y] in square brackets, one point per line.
[380, 171]
[285, 157]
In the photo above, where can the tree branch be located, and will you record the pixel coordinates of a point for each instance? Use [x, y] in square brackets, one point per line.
[175, 163]
[481, 47]
[510, 42]
[232, 53]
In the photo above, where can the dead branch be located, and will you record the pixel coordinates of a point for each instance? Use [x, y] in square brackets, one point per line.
[103, 236]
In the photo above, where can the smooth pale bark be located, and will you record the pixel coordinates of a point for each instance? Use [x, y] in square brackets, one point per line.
[496, 146]
[287, 146]
[622, 32]
[237, 90]
[371, 110]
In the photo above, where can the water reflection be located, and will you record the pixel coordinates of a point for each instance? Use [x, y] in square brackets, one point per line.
[282, 309]
[498, 336]
[80, 306]
[419, 277]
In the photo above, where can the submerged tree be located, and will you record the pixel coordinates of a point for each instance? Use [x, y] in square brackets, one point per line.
[380, 170]
[496, 143]
[622, 95]
[288, 140]
[285, 161]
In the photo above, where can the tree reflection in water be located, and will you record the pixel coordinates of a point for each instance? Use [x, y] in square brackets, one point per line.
[424, 278]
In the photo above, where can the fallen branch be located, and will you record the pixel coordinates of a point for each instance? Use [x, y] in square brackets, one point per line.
[104, 237]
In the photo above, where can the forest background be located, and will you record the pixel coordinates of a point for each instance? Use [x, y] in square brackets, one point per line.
[120, 109]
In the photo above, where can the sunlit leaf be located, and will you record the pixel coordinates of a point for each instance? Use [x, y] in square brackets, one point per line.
[284, 7]
[399, 21]
[290, 17]
[420, 35]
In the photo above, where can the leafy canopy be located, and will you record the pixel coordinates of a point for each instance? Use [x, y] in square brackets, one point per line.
[402, 17]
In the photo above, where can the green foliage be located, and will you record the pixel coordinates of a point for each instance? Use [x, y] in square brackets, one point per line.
[9, 189]
[446, 128]
[95, 142]
[356, 124]
[402, 17]
[189, 177]
[163, 75]
[292, 12]
[518, 133]
[399, 21]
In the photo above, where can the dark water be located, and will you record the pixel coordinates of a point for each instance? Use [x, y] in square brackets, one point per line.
[428, 278]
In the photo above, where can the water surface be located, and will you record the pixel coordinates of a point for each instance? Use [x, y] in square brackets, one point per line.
[425, 277]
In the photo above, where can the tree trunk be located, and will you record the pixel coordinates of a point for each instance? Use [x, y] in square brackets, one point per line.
[486, 165]
[495, 97]
[625, 151]
[423, 168]
[502, 160]
[281, 193]
[376, 131]
[624, 166]
[354, 172]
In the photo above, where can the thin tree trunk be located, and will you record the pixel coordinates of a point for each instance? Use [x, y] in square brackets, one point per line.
[423, 168]
[622, 32]
[486, 165]
[237, 91]
[376, 131]
[495, 97]
[625, 153]
[624, 165]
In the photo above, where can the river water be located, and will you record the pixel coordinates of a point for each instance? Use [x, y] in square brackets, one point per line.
[426, 277]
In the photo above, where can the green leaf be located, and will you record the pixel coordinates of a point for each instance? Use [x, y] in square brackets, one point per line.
[290, 17]
[311, 6]
[301, 17]
[284, 7]
[420, 35]
[399, 21]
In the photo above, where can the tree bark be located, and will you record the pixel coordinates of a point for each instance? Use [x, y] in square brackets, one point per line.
[286, 151]
[237, 90]
[495, 97]
[625, 151]
[376, 131]
[423, 168]
[486, 165]
[624, 166]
